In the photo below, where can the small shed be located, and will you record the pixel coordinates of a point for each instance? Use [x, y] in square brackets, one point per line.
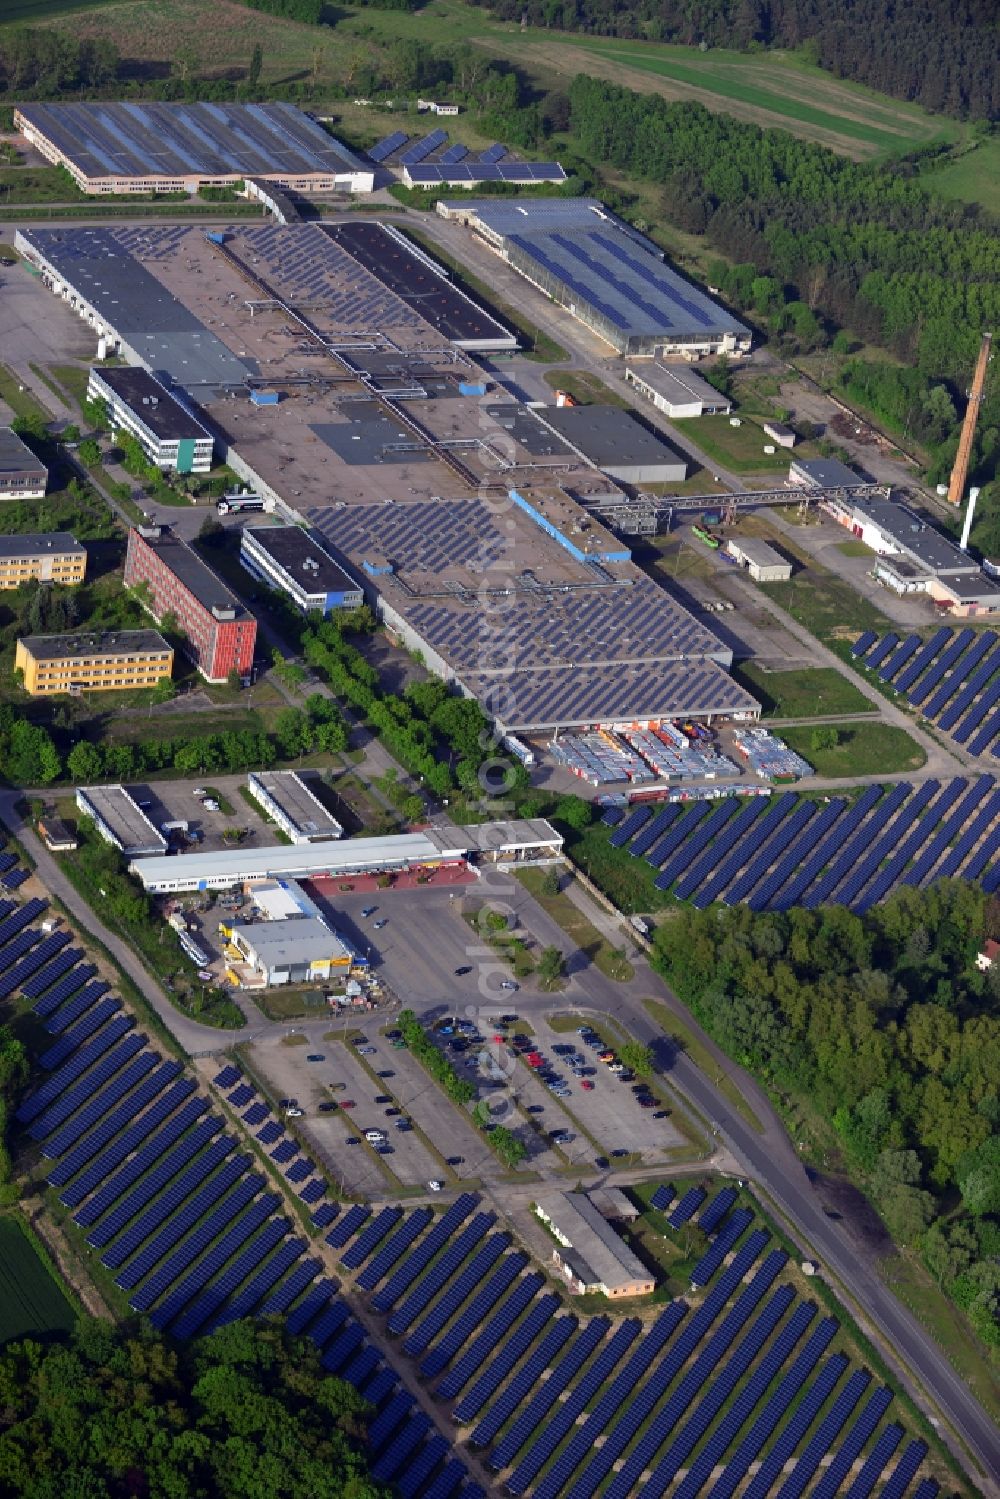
[57, 835]
[762, 561]
[783, 436]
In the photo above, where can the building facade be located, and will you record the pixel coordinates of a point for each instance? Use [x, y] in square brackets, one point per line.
[763, 562]
[48, 556]
[289, 559]
[166, 431]
[110, 662]
[22, 475]
[591, 1255]
[220, 633]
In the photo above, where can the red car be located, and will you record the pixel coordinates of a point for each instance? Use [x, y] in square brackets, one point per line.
[535, 1059]
[587, 1085]
[347, 1103]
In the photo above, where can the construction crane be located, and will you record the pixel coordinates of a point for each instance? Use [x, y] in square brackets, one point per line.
[960, 472]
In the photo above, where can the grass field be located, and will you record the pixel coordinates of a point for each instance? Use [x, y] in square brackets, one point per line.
[826, 606]
[29, 12]
[31, 1300]
[974, 177]
[813, 692]
[609, 961]
[865, 749]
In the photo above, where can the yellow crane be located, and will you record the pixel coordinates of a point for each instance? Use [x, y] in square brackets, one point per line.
[960, 472]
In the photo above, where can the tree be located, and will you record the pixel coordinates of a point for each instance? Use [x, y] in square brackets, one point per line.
[84, 764]
[637, 1057]
[89, 453]
[826, 737]
[70, 433]
[233, 679]
[510, 1150]
[256, 62]
[550, 882]
[551, 966]
[574, 812]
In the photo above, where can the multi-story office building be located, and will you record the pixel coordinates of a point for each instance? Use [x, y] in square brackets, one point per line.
[49, 556]
[22, 475]
[289, 559]
[166, 431]
[220, 633]
[109, 662]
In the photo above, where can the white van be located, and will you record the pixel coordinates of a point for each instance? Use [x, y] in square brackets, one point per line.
[374, 1136]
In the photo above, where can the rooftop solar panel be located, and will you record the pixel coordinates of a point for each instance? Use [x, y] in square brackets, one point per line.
[388, 144]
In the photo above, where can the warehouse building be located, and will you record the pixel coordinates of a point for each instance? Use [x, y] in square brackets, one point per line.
[763, 562]
[676, 392]
[166, 431]
[112, 661]
[48, 556]
[22, 475]
[170, 148]
[289, 943]
[824, 473]
[605, 273]
[591, 1255]
[534, 840]
[287, 800]
[120, 821]
[220, 633]
[617, 442]
[289, 559]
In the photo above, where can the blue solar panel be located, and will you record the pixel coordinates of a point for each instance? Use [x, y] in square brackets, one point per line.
[63, 989]
[630, 826]
[888, 845]
[784, 1396]
[498, 1334]
[342, 1348]
[76, 1007]
[348, 1225]
[853, 1444]
[741, 826]
[73, 1039]
[47, 976]
[687, 1207]
[227, 1078]
[271, 1131]
[872, 1468]
[922, 659]
[958, 855]
[311, 1306]
[471, 1316]
[439, 1275]
[325, 1215]
[18, 919]
[299, 1280]
[142, 1232]
[909, 848]
[106, 1067]
[899, 658]
[387, 145]
[525, 1381]
[675, 836]
[401, 1448]
[416, 1262]
[393, 1250]
[796, 1427]
[548, 1393]
[769, 841]
[246, 1303]
[699, 838]
[880, 652]
[962, 701]
[389, 1419]
[205, 1231]
[493, 154]
[828, 1430]
[184, 1307]
[798, 850]
[373, 1235]
[905, 1470]
[612, 816]
[645, 839]
[313, 1191]
[420, 1468]
[877, 827]
[98, 1105]
[662, 1198]
[33, 1105]
[112, 1187]
[117, 1138]
[196, 1316]
[453, 154]
[16, 878]
[255, 1114]
[713, 1212]
[983, 740]
[160, 1168]
[721, 1245]
[864, 643]
[241, 1096]
[422, 148]
[926, 685]
[362, 1367]
[17, 975]
[828, 848]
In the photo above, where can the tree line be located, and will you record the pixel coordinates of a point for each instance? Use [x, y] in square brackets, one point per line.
[820, 243]
[886, 1026]
[113, 1411]
[941, 54]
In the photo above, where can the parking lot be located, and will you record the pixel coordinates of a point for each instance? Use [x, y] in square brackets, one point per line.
[174, 801]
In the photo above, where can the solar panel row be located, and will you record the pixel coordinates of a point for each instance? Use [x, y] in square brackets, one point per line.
[112, 1188]
[440, 1274]
[493, 1334]
[471, 1316]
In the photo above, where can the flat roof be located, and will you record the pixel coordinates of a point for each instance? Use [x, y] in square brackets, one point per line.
[16, 456]
[297, 940]
[298, 552]
[916, 536]
[609, 436]
[978, 587]
[593, 1237]
[826, 473]
[104, 643]
[152, 402]
[41, 544]
[678, 385]
[501, 837]
[761, 553]
[194, 574]
[195, 140]
[303, 809]
[121, 813]
[619, 275]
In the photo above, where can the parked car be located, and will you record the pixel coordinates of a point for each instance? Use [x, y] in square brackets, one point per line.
[383, 1098]
[315, 1056]
[352, 1140]
[387, 1073]
[347, 1103]
[508, 984]
[384, 1149]
[327, 1108]
[369, 910]
[380, 924]
[294, 1113]
[434, 1186]
[391, 1113]
[374, 1136]
[466, 968]
[456, 1160]
[587, 1085]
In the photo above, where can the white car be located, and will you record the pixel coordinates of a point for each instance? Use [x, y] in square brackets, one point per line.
[293, 1113]
[434, 1186]
[210, 805]
[375, 1136]
[199, 791]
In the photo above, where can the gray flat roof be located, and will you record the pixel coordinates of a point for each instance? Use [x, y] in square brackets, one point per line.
[300, 939]
[827, 473]
[975, 587]
[122, 814]
[609, 435]
[16, 456]
[621, 276]
[291, 794]
[593, 1237]
[152, 402]
[196, 576]
[41, 544]
[915, 536]
[175, 140]
[104, 266]
[761, 553]
[292, 547]
[104, 643]
[675, 384]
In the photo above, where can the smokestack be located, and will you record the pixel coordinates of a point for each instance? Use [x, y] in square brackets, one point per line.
[969, 513]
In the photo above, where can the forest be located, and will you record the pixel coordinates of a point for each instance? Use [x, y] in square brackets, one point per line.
[941, 54]
[820, 244]
[886, 1027]
[111, 1412]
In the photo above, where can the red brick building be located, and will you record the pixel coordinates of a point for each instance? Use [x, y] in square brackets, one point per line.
[220, 631]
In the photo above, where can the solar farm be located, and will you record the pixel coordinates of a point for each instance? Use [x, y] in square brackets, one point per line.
[773, 853]
[952, 679]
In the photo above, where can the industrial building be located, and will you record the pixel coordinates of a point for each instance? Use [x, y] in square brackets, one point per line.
[141, 405]
[289, 559]
[120, 821]
[57, 836]
[219, 632]
[677, 392]
[289, 803]
[112, 661]
[616, 442]
[763, 562]
[22, 475]
[534, 840]
[47, 556]
[913, 557]
[170, 148]
[605, 273]
[289, 943]
[824, 473]
[591, 1255]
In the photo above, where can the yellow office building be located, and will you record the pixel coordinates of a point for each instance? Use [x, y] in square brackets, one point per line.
[111, 662]
[49, 556]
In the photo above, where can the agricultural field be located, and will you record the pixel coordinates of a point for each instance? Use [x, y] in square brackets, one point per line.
[31, 1301]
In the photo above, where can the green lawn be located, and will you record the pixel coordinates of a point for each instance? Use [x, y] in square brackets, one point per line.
[586, 389]
[828, 607]
[974, 177]
[625, 880]
[865, 749]
[813, 692]
[609, 960]
[738, 448]
[31, 1300]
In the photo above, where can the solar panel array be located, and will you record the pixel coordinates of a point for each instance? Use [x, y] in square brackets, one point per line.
[388, 144]
[498, 171]
[422, 148]
[953, 678]
[801, 852]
